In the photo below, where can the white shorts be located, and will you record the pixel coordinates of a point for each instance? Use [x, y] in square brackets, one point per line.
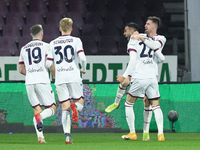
[69, 90]
[141, 87]
[40, 94]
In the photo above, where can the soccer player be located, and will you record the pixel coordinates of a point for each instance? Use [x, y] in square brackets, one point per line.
[153, 41]
[65, 53]
[141, 69]
[32, 64]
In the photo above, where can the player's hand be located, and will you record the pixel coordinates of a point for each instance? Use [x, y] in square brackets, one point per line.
[82, 71]
[126, 81]
[135, 37]
[120, 78]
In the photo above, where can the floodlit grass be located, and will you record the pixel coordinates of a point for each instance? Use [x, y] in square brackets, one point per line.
[99, 141]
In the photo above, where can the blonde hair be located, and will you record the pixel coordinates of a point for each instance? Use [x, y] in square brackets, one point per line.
[66, 24]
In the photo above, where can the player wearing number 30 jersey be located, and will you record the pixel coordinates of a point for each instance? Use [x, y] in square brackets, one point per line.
[66, 52]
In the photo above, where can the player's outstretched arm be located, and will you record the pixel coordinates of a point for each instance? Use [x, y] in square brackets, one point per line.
[150, 43]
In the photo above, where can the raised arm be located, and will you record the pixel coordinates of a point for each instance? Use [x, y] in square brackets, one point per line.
[150, 43]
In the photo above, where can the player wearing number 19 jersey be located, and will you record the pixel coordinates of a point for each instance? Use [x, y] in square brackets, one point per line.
[32, 64]
[65, 52]
[33, 55]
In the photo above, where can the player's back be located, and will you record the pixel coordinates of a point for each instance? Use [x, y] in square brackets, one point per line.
[33, 54]
[145, 67]
[65, 54]
[162, 40]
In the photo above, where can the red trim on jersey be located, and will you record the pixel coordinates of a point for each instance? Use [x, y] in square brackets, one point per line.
[35, 105]
[64, 100]
[80, 51]
[135, 96]
[147, 109]
[50, 105]
[132, 50]
[160, 42]
[21, 62]
[154, 98]
[78, 98]
[156, 50]
[51, 59]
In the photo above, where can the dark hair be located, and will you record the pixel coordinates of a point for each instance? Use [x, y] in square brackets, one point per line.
[133, 25]
[35, 29]
[155, 20]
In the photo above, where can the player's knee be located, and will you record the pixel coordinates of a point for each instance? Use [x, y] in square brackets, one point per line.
[54, 107]
[37, 109]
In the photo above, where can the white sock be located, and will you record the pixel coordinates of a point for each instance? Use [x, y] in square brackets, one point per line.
[147, 114]
[66, 121]
[121, 91]
[159, 118]
[48, 112]
[130, 116]
[79, 106]
[39, 134]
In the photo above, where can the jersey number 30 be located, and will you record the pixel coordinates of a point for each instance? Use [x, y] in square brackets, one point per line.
[64, 55]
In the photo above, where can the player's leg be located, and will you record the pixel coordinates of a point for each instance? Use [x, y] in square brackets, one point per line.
[130, 117]
[33, 99]
[64, 99]
[136, 90]
[158, 117]
[121, 91]
[153, 96]
[38, 124]
[66, 121]
[46, 97]
[76, 92]
[147, 115]
[76, 106]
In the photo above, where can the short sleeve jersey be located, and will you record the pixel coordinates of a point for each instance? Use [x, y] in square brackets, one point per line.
[144, 68]
[33, 56]
[64, 52]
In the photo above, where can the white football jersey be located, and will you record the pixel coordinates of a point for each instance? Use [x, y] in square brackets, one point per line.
[162, 40]
[33, 55]
[145, 66]
[64, 52]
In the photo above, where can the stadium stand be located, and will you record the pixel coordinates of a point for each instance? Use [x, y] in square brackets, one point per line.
[93, 20]
[90, 45]
[58, 6]
[107, 46]
[90, 30]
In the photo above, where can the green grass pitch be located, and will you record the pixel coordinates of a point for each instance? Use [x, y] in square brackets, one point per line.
[99, 141]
